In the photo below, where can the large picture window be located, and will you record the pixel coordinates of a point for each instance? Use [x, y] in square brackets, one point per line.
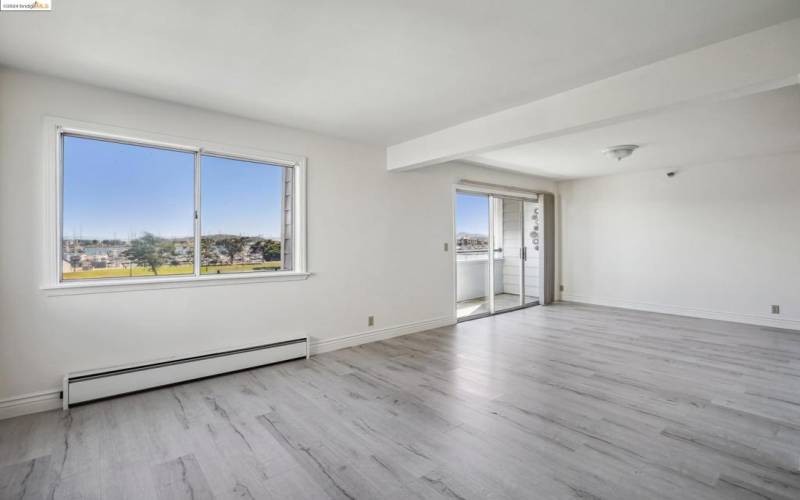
[135, 210]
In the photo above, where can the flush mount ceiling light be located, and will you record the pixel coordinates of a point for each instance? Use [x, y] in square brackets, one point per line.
[621, 151]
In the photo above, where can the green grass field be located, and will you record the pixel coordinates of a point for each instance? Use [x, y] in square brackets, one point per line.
[170, 271]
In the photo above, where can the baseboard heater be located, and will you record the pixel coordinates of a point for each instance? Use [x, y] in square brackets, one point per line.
[101, 384]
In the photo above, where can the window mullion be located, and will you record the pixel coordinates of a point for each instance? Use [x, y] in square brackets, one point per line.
[197, 221]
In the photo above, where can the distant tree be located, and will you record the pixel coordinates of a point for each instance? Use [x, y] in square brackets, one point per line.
[187, 253]
[269, 250]
[208, 252]
[150, 251]
[232, 246]
[75, 261]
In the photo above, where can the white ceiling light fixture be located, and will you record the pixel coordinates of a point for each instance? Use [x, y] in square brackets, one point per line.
[621, 151]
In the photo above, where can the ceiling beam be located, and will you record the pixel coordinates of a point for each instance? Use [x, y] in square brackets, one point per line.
[763, 60]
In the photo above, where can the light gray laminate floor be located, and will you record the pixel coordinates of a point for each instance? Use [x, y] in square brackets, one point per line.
[564, 401]
[478, 306]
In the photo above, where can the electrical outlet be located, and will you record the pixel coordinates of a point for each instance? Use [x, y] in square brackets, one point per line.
[776, 309]
[371, 321]
[561, 288]
[446, 246]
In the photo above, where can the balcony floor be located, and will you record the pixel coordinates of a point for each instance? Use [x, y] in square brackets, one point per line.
[480, 305]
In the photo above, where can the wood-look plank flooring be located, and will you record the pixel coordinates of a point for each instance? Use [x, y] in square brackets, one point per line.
[564, 401]
[477, 306]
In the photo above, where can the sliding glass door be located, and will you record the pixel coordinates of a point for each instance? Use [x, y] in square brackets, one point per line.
[509, 261]
[496, 253]
[532, 250]
[472, 255]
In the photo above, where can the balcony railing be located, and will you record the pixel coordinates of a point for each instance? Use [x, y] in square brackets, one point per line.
[472, 268]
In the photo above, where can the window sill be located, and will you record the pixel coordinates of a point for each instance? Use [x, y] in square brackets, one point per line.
[139, 284]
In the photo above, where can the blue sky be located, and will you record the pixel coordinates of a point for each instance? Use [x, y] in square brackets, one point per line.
[114, 190]
[240, 197]
[472, 213]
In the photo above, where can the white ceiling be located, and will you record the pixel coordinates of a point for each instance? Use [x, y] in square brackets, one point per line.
[766, 123]
[377, 71]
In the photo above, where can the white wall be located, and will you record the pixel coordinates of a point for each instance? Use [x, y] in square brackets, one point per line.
[375, 246]
[718, 241]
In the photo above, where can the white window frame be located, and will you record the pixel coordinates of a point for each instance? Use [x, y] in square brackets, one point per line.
[55, 128]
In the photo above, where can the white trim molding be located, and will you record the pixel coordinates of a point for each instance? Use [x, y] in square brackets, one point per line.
[138, 285]
[327, 345]
[692, 312]
[34, 402]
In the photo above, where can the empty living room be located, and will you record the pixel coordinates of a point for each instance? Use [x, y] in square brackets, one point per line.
[306, 249]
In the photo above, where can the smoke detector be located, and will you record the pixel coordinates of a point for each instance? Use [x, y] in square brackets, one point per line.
[621, 151]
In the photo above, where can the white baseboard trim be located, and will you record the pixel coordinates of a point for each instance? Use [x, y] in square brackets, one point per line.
[51, 400]
[327, 345]
[750, 319]
[34, 402]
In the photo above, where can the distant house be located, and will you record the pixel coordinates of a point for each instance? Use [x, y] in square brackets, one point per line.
[99, 261]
